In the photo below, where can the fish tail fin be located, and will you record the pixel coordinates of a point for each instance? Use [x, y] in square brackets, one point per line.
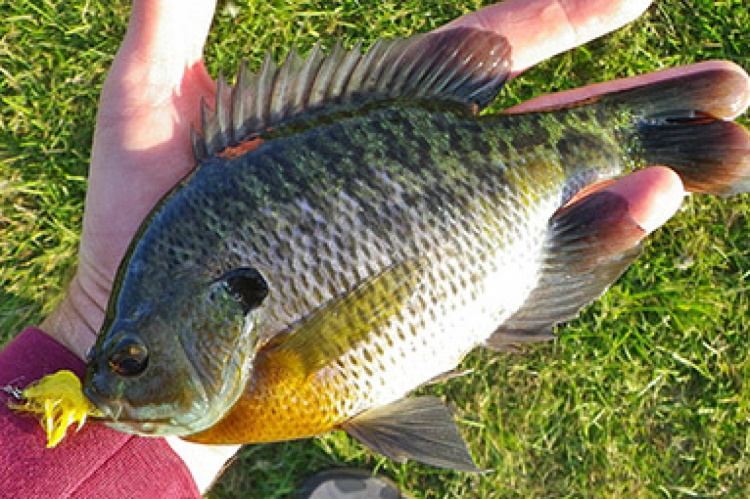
[711, 157]
[683, 122]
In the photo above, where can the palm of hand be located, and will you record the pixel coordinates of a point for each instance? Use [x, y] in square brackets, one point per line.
[141, 148]
[142, 141]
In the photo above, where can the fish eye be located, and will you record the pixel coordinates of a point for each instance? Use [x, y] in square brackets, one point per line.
[129, 358]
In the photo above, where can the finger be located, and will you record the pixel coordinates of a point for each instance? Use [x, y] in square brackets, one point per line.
[653, 196]
[729, 103]
[158, 66]
[151, 93]
[539, 29]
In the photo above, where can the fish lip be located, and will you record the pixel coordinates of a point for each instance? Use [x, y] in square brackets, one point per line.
[118, 415]
[109, 408]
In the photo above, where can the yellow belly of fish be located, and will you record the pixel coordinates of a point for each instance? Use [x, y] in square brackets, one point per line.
[279, 404]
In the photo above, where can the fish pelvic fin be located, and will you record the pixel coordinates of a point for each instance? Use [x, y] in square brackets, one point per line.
[465, 66]
[591, 243]
[683, 122]
[421, 429]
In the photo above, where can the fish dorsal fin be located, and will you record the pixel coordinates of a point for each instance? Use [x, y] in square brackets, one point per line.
[591, 243]
[467, 66]
[421, 429]
[346, 321]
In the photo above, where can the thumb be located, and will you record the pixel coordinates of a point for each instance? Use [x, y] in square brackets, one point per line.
[168, 33]
[157, 77]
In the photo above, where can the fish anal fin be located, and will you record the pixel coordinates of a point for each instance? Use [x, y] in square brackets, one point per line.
[448, 376]
[591, 243]
[463, 66]
[421, 429]
[508, 340]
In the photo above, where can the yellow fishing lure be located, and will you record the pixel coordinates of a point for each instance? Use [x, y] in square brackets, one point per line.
[59, 401]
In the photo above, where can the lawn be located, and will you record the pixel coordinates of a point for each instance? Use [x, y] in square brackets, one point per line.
[643, 396]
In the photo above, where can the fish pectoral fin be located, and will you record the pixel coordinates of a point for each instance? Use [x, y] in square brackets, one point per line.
[465, 66]
[591, 243]
[421, 429]
[348, 320]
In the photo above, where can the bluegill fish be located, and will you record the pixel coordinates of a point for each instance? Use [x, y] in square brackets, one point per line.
[353, 228]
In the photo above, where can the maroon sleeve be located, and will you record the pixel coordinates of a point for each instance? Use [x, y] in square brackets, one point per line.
[95, 462]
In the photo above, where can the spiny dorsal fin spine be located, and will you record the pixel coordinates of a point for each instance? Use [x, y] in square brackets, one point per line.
[282, 101]
[239, 107]
[198, 145]
[345, 70]
[224, 134]
[307, 73]
[366, 71]
[265, 85]
[327, 73]
[207, 126]
[463, 65]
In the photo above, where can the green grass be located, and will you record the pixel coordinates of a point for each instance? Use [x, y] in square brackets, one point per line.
[643, 396]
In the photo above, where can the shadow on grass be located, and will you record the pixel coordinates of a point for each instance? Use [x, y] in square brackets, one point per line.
[273, 470]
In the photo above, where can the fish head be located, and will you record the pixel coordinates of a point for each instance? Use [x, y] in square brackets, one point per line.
[174, 362]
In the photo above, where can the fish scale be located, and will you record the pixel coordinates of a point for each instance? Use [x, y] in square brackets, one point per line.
[435, 206]
[353, 228]
[363, 243]
[461, 300]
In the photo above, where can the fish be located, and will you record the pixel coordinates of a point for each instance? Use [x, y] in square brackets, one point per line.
[354, 226]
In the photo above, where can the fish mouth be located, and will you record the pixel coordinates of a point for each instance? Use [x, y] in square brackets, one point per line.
[120, 416]
[110, 409]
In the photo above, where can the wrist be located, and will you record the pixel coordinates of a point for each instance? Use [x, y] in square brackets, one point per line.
[205, 462]
[76, 320]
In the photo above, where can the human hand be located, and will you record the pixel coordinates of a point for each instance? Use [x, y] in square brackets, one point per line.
[141, 148]
[152, 95]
